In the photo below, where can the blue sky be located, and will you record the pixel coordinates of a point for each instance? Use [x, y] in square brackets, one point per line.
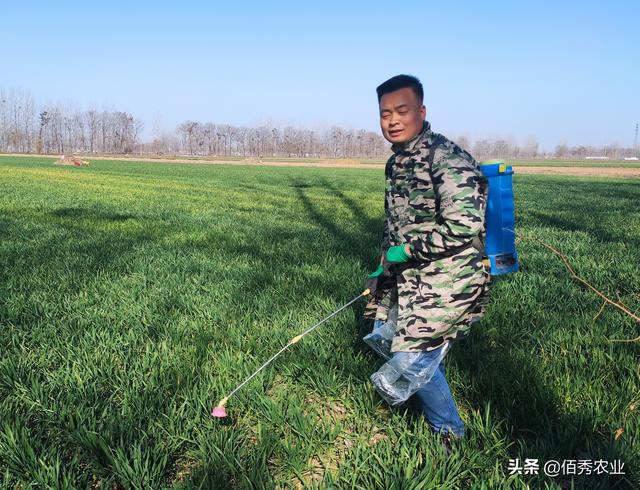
[555, 71]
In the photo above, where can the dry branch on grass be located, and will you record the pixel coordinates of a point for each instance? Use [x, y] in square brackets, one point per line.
[577, 278]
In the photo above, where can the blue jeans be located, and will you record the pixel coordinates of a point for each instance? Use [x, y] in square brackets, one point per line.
[437, 405]
[436, 402]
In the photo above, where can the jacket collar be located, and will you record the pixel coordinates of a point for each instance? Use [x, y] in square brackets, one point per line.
[412, 145]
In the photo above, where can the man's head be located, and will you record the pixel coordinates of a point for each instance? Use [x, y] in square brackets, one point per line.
[402, 112]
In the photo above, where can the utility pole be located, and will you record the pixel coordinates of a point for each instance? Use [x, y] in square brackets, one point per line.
[635, 141]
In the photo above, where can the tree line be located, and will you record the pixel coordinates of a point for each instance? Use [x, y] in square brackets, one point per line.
[196, 138]
[26, 127]
[55, 129]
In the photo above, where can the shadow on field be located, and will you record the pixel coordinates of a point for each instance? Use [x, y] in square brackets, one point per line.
[620, 191]
[515, 391]
[355, 240]
[92, 214]
[301, 261]
[89, 244]
[599, 232]
[596, 208]
[77, 241]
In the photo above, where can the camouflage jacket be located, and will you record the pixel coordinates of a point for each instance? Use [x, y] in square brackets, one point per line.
[438, 209]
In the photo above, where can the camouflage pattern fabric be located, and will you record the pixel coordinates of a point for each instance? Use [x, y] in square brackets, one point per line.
[438, 210]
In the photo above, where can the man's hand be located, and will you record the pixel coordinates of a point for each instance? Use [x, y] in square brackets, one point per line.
[375, 279]
[395, 255]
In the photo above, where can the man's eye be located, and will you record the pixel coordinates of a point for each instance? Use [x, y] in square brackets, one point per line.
[385, 115]
[402, 113]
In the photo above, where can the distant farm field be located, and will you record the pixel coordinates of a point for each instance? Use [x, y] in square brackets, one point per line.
[133, 296]
[619, 168]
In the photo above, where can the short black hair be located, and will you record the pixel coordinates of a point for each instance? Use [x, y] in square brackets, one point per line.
[401, 81]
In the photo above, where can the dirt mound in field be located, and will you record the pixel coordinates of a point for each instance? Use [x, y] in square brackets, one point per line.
[70, 160]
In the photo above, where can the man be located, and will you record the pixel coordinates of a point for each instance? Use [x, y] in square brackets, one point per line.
[431, 268]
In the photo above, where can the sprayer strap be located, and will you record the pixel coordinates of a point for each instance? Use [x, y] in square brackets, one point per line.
[432, 154]
[477, 242]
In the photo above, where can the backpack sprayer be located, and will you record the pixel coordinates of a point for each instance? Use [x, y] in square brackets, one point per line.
[500, 224]
[499, 250]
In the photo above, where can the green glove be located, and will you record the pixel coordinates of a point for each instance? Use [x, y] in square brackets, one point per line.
[394, 255]
[397, 255]
[375, 279]
[378, 272]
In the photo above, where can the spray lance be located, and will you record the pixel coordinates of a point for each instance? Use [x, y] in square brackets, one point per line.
[220, 411]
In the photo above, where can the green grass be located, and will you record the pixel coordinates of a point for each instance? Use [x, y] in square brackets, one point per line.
[133, 296]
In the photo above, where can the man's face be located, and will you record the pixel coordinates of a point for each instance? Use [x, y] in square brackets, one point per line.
[401, 115]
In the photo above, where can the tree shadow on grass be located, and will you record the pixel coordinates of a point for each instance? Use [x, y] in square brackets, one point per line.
[68, 255]
[599, 231]
[582, 206]
[92, 214]
[356, 241]
[74, 238]
[284, 254]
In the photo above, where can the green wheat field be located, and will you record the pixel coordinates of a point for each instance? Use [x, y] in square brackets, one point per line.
[133, 296]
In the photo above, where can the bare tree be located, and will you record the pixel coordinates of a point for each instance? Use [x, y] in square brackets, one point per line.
[531, 147]
[562, 149]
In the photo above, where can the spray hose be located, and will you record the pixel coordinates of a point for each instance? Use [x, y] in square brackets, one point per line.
[577, 278]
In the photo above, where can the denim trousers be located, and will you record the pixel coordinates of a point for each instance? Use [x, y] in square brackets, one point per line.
[436, 402]
[437, 405]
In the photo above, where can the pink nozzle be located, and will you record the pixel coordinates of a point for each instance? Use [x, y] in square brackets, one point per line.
[219, 412]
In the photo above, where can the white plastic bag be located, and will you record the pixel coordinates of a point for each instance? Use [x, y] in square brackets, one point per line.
[382, 334]
[405, 373]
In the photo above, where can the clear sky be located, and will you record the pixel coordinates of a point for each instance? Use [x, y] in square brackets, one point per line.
[555, 70]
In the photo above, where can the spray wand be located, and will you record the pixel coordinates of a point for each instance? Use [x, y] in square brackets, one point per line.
[220, 411]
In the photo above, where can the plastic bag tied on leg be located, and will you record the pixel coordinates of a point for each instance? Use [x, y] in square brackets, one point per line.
[405, 373]
[382, 334]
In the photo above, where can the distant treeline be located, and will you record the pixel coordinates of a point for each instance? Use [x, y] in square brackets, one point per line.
[196, 138]
[26, 127]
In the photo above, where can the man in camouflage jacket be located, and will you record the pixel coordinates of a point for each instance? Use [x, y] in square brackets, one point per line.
[435, 198]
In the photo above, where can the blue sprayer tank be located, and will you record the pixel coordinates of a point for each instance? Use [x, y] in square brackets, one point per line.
[500, 224]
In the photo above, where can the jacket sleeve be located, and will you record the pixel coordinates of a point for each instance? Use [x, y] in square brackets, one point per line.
[459, 187]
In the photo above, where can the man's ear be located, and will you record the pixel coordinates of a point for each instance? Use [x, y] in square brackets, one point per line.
[423, 112]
